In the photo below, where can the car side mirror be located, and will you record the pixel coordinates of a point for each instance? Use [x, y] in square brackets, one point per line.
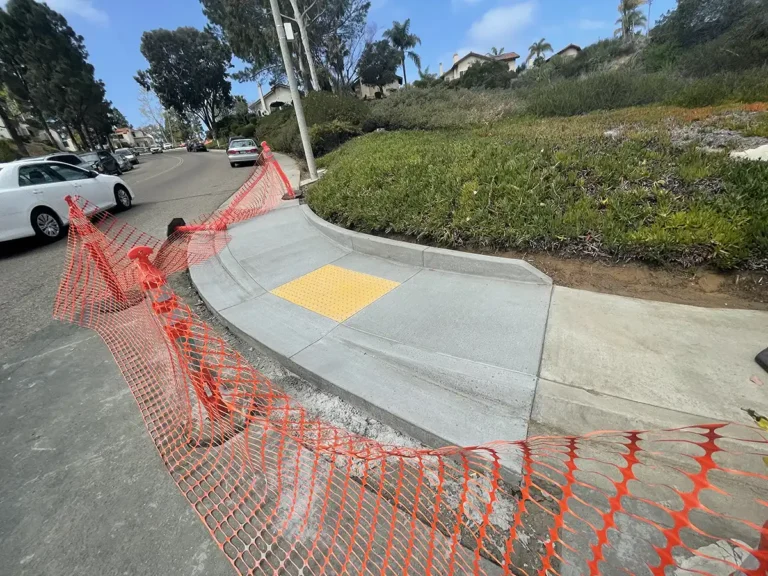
[92, 173]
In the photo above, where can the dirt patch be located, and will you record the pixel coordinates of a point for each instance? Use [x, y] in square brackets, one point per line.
[697, 287]
[710, 136]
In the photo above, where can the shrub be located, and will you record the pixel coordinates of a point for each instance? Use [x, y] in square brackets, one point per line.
[8, 152]
[441, 107]
[485, 75]
[603, 91]
[322, 107]
[330, 135]
[247, 131]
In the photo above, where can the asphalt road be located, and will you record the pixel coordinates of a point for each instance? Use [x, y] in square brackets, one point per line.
[83, 489]
[176, 183]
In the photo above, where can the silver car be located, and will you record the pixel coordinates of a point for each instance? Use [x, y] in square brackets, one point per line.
[242, 151]
[123, 162]
[128, 154]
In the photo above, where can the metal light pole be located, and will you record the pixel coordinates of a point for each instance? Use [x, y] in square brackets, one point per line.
[294, 89]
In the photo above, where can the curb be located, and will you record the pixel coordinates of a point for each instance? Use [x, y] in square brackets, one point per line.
[427, 257]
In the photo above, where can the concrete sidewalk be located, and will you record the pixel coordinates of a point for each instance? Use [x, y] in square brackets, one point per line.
[427, 350]
[450, 347]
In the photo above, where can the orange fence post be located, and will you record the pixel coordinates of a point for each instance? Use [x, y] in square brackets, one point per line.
[178, 329]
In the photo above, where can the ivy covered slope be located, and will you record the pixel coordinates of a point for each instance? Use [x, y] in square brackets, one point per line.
[626, 184]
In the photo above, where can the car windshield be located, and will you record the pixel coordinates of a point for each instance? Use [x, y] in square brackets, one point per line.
[123, 152]
[243, 144]
[91, 157]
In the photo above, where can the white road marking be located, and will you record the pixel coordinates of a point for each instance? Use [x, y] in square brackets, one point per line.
[181, 161]
[70, 345]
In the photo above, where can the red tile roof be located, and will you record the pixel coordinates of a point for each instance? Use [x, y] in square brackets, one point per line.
[508, 56]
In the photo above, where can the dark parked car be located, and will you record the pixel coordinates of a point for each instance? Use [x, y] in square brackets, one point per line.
[199, 147]
[101, 161]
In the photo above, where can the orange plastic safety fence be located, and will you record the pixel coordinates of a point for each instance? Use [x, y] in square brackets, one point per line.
[283, 492]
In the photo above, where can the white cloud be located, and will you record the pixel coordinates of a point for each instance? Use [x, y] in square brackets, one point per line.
[499, 26]
[83, 8]
[588, 24]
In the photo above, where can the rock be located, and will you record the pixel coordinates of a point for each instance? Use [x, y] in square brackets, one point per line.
[759, 153]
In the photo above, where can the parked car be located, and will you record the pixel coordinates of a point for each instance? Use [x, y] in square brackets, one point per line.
[123, 162]
[199, 147]
[129, 155]
[32, 196]
[155, 149]
[101, 161]
[167, 146]
[241, 151]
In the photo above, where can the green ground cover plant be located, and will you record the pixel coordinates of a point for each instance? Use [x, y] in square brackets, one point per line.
[560, 185]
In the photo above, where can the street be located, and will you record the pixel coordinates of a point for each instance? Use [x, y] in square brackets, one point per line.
[84, 491]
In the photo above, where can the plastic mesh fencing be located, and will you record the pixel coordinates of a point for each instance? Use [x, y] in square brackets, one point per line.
[283, 492]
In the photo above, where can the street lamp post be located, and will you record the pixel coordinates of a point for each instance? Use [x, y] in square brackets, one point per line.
[294, 89]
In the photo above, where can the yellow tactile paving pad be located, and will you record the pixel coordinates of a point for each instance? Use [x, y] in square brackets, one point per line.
[335, 292]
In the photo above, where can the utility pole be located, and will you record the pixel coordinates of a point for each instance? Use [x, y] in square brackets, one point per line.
[294, 89]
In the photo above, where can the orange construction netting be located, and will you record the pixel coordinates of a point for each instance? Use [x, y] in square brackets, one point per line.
[283, 492]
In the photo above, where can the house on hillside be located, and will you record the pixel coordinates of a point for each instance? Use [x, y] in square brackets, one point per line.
[128, 138]
[461, 65]
[275, 99]
[368, 92]
[568, 52]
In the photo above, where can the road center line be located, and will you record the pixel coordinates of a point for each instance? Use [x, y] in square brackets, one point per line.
[181, 161]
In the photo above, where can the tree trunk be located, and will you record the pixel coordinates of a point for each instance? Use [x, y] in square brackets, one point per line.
[302, 69]
[84, 135]
[305, 41]
[40, 117]
[10, 125]
[405, 78]
[70, 134]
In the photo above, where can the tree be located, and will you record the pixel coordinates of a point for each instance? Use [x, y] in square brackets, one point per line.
[402, 39]
[118, 119]
[631, 19]
[427, 80]
[496, 51]
[43, 62]
[538, 50]
[9, 121]
[188, 72]
[151, 111]
[379, 63]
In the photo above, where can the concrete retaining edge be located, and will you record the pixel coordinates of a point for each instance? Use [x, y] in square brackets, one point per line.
[427, 257]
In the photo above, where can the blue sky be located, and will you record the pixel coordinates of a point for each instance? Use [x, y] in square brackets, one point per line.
[112, 30]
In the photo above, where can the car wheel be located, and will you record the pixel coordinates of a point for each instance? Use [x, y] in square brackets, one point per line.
[233, 164]
[47, 224]
[122, 197]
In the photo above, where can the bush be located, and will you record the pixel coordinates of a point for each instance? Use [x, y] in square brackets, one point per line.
[334, 115]
[8, 152]
[485, 75]
[330, 135]
[603, 91]
[247, 131]
[555, 184]
[441, 107]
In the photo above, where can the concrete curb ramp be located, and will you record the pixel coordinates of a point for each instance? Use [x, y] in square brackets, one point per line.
[402, 331]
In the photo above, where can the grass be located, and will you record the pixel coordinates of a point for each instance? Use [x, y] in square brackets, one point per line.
[558, 185]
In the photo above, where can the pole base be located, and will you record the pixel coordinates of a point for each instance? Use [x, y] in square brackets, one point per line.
[762, 359]
[175, 223]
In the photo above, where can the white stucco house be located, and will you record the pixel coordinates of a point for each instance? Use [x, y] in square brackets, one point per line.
[568, 52]
[461, 65]
[368, 92]
[276, 98]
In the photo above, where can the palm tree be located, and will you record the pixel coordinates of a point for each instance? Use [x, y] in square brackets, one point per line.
[630, 18]
[401, 38]
[539, 49]
[496, 51]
